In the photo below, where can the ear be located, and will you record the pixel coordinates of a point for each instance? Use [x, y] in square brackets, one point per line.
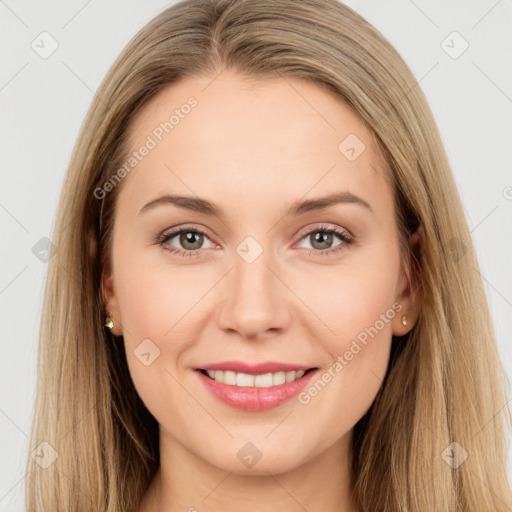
[409, 292]
[110, 304]
[110, 301]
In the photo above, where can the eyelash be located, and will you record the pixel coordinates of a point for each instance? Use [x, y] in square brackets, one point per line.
[343, 235]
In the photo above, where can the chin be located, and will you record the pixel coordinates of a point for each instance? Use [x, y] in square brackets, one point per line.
[257, 458]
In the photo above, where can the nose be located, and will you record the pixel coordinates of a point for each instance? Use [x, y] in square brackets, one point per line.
[256, 302]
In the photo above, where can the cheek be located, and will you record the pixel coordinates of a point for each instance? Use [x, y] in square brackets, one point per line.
[154, 307]
[153, 295]
[150, 306]
[350, 299]
[358, 306]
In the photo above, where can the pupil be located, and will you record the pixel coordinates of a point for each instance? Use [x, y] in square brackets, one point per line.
[188, 237]
[326, 237]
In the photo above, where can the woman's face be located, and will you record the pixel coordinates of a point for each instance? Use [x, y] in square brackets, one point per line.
[261, 279]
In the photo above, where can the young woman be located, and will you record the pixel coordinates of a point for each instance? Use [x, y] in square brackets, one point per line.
[325, 330]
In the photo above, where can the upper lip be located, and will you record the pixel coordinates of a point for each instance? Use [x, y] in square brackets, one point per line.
[255, 369]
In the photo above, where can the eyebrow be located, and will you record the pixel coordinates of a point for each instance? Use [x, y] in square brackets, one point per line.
[298, 207]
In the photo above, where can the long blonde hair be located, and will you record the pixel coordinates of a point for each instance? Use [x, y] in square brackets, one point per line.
[445, 382]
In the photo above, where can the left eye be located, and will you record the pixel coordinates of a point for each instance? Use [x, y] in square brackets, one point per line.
[324, 238]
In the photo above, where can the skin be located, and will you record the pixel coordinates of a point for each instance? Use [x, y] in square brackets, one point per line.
[253, 149]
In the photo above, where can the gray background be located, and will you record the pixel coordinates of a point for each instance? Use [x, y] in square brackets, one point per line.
[43, 103]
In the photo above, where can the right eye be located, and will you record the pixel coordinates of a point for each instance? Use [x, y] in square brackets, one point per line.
[187, 236]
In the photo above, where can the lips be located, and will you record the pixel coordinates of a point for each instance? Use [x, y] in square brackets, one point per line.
[256, 369]
[252, 389]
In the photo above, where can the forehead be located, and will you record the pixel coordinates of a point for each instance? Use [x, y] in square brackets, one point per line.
[273, 138]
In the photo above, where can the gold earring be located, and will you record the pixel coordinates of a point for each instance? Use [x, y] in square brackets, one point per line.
[109, 321]
[404, 320]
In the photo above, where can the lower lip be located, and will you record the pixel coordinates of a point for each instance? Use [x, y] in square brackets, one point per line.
[252, 398]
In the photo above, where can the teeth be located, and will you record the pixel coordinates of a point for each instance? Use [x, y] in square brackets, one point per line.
[258, 381]
[263, 381]
[242, 379]
[229, 378]
[278, 378]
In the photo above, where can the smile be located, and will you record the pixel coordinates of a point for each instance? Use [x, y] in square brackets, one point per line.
[265, 380]
[257, 391]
